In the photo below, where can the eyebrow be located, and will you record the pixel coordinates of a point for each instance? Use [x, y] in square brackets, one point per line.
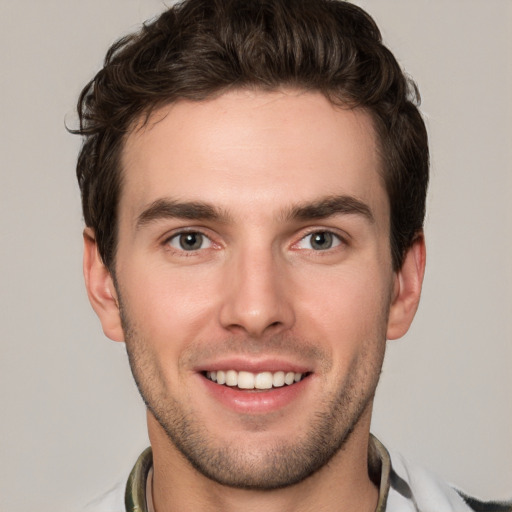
[196, 210]
[329, 206]
[172, 209]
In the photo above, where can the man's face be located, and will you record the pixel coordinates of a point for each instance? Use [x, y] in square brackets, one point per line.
[254, 246]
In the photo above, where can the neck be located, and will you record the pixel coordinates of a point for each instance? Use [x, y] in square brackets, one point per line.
[341, 485]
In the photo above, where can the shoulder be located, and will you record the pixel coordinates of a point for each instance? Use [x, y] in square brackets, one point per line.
[129, 493]
[414, 488]
[111, 501]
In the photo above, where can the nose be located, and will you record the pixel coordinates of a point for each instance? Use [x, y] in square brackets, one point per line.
[257, 295]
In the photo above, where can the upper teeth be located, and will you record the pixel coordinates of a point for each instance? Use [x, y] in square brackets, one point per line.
[248, 380]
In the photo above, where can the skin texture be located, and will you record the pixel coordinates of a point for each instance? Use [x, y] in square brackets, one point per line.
[251, 178]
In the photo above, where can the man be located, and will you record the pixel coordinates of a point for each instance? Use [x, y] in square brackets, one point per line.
[253, 182]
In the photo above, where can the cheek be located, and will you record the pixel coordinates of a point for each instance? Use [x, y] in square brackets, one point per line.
[168, 306]
[346, 309]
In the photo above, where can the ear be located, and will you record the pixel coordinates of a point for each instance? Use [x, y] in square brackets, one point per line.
[407, 289]
[100, 288]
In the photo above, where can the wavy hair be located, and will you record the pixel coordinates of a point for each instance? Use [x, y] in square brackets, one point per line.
[201, 48]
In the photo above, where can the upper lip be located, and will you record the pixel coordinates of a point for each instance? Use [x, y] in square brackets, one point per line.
[253, 365]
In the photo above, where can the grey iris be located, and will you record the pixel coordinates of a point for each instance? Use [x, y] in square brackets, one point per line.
[191, 241]
[321, 241]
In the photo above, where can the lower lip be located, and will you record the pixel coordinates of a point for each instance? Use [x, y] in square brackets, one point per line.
[257, 401]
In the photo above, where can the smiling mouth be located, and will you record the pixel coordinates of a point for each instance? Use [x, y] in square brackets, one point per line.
[260, 381]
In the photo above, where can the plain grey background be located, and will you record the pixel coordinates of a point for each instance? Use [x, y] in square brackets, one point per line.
[72, 422]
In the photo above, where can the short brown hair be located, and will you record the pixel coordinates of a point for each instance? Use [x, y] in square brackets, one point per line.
[200, 48]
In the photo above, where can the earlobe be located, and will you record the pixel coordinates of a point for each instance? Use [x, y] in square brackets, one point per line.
[407, 289]
[100, 288]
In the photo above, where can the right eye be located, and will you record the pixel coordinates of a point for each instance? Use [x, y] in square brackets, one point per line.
[189, 241]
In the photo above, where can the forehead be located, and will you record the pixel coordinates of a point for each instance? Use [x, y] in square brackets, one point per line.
[255, 148]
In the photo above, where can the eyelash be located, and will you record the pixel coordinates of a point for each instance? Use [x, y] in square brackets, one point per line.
[176, 236]
[335, 239]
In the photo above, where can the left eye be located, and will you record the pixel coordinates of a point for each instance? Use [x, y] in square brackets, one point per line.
[319, 241]
[190, 241]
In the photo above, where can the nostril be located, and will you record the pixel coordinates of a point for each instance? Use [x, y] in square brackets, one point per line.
[272, 327]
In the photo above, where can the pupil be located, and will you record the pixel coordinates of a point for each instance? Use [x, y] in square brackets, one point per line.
[191, 241]
[321, 241]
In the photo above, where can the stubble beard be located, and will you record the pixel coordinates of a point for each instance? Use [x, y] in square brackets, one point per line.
[282, 464]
